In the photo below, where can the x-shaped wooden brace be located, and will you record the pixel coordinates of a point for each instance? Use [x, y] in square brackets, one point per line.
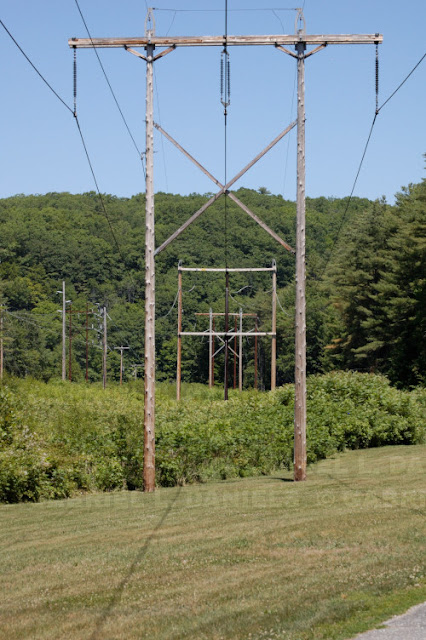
[224, 189]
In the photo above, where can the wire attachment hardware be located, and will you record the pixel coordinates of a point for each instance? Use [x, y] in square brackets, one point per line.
[377, 78]
[225, 79]
[75, 82]
[299, 23]
[150, 23]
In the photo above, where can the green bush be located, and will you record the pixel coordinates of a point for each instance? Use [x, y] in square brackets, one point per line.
[56, 439]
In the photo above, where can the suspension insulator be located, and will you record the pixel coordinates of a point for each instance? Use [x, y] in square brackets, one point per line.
[225, 78]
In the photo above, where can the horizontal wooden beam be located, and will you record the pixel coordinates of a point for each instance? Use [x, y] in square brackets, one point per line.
[230, 334]
[224, 269]
[219, 41]
[243, 315]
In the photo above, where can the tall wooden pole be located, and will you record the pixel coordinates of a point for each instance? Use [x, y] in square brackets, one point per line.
[149, 420]
[64, 332]
[179, 343]
[300, 319]
[274, 331]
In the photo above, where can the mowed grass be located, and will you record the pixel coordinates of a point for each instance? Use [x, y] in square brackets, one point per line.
[252, 558]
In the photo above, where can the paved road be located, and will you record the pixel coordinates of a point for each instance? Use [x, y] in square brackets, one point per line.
[409, 626]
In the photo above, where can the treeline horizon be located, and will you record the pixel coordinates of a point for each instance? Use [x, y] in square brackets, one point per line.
[366, 291]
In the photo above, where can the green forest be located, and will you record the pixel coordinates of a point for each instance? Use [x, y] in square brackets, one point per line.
[366, 283]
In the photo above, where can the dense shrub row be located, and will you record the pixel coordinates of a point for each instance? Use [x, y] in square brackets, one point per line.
[57, 439]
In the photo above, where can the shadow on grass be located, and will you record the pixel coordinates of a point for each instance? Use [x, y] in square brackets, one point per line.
[381, 498]
[118, 593]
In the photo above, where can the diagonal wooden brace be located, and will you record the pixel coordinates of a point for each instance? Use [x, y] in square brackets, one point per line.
[224, 189]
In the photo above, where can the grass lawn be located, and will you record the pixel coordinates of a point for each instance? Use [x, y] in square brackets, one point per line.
[252, 558]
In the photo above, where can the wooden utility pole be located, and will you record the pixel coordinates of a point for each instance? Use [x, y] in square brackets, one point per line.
[149, 431]
[300, 319]
[70, 346]
[150, 41]
[240, 353]
[235, 352]
[1, 342]
[104, 349]
[256, 328]
[211, 348]
[87, 342]
[274, 330]
[179, 340]
[226, 334]
[121, 349]
[64, 337]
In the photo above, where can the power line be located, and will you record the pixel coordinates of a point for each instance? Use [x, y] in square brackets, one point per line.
[97, 188]
[110, 87]
[400, 85]
[78, 127]
[35, 68]
[378, 109]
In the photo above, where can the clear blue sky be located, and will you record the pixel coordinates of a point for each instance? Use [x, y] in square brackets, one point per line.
[41, 150]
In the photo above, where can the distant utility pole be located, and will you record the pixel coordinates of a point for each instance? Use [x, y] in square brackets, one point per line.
[64, 332]
[150, 41]
[105, 347]
[1, 342]
[121, 349]
[135, 368]
[70, 346]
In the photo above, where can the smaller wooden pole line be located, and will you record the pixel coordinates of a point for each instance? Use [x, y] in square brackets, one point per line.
[235, 352]
[70, 345]
[179, 344]
[255, 354]
[105, 348]
[121, 349]
[1, 342]
[64, 332]
[226, 336]
[240, 354]
[72, 312]
[229, 333]
[224, 269]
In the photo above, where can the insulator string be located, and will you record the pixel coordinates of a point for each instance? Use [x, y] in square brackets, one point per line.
[75, 81]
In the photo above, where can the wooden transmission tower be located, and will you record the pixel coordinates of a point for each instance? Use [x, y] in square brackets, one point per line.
[150, 42]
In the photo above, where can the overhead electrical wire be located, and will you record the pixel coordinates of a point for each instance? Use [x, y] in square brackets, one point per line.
[35, 68]
[140, 154]
[74, 113]
[377, 111]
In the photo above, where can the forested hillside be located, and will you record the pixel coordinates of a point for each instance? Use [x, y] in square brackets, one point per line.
[366, 286]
